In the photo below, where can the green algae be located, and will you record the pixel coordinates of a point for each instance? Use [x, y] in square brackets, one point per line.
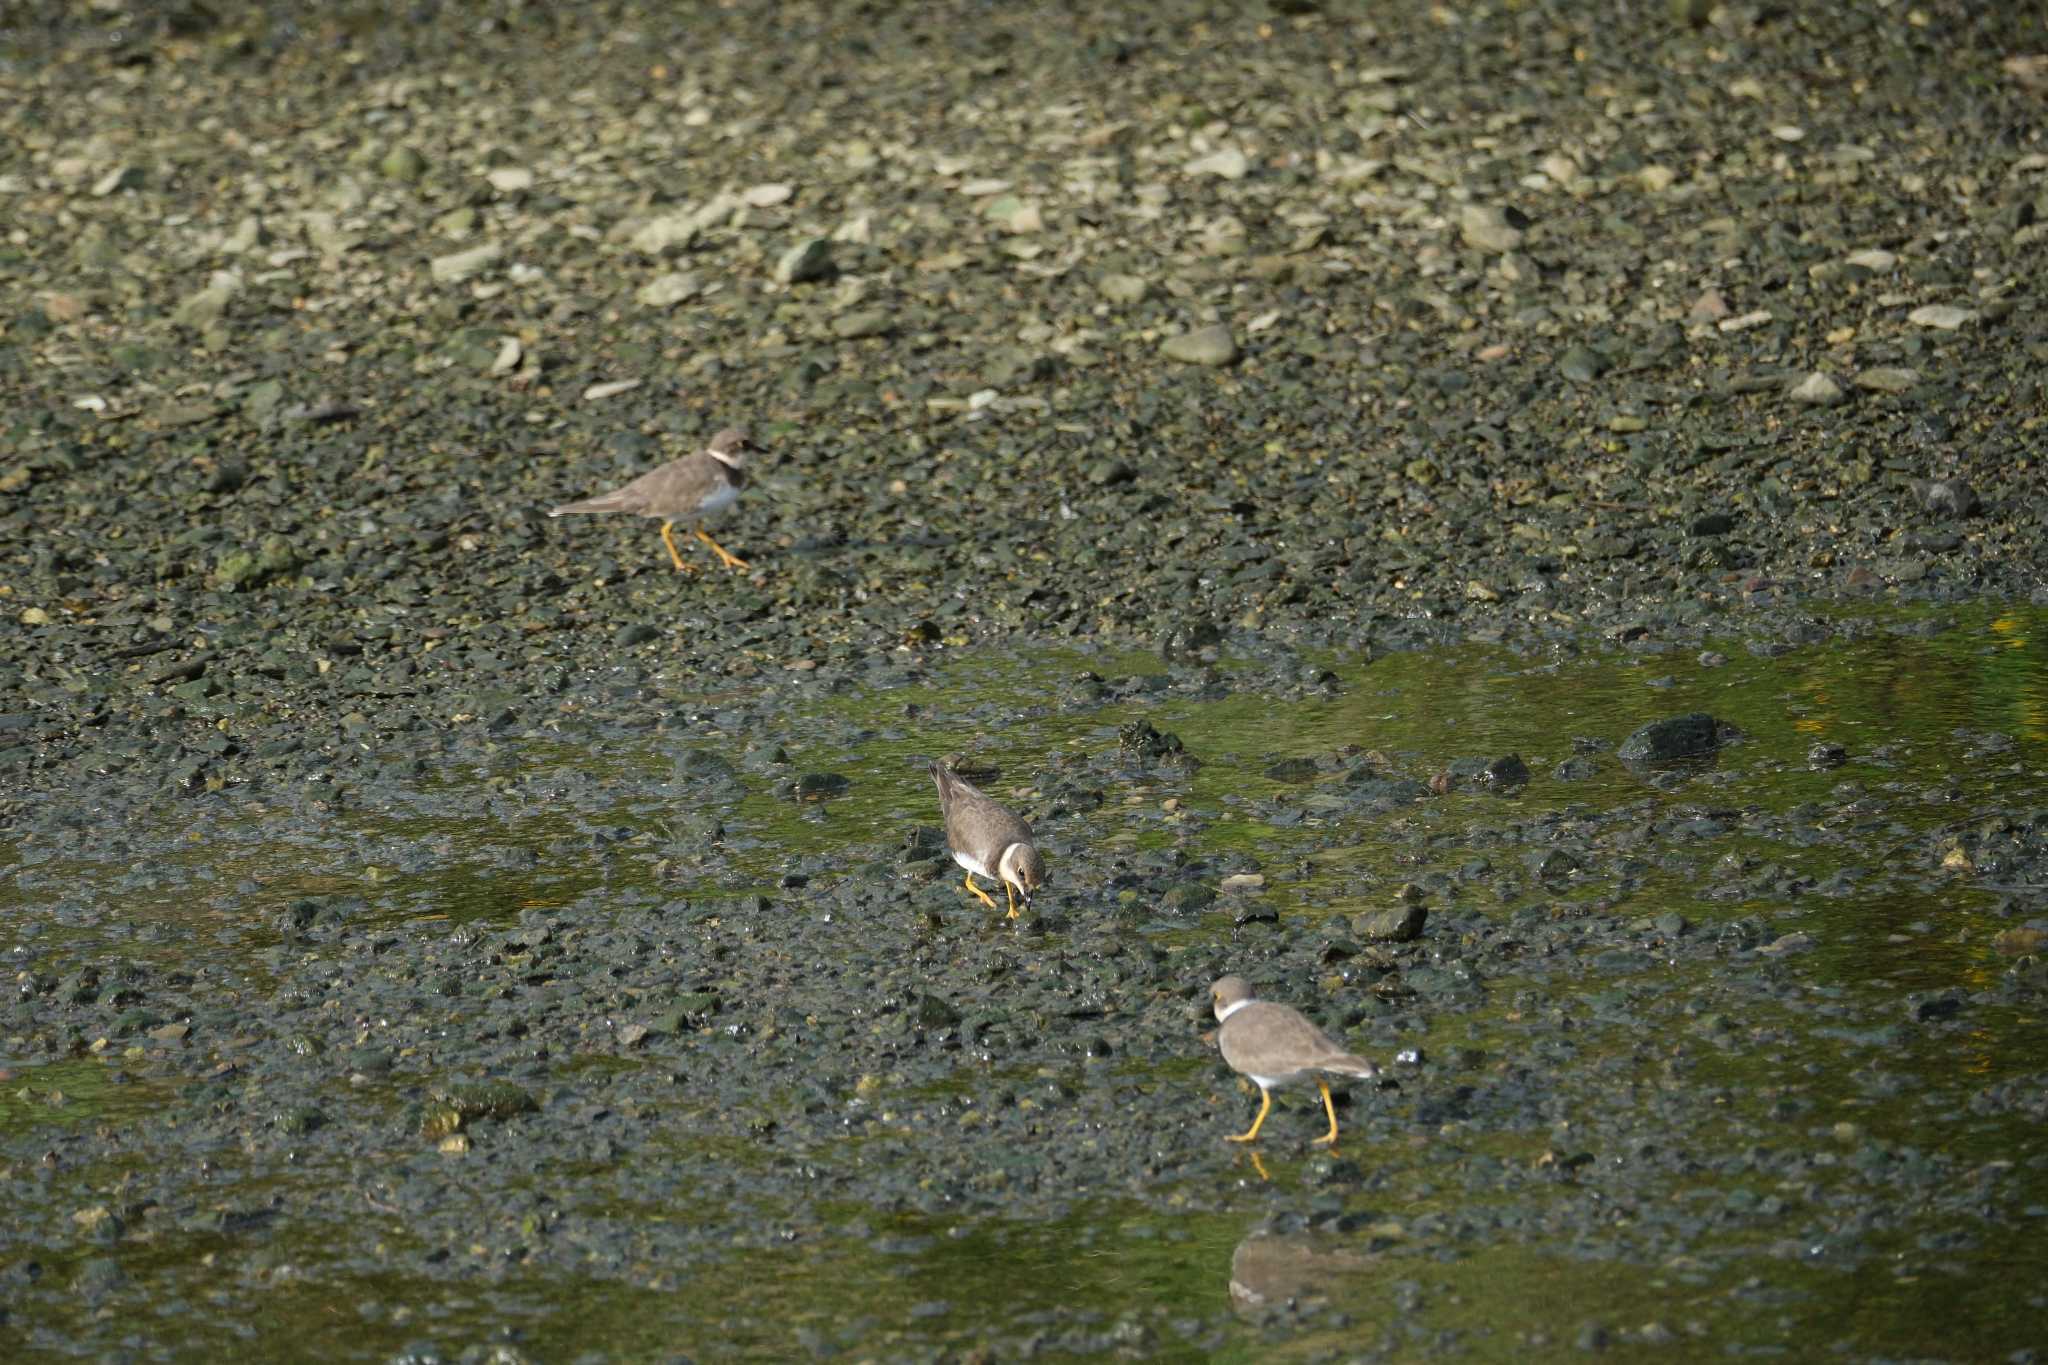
[1477, 1222]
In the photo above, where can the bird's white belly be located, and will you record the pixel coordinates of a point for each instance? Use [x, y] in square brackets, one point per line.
[725, 497]
[974, 865]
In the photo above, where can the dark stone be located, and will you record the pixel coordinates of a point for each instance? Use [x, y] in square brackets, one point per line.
[1934, 1007]
[1950, 497]
[821, 786]
[638, 633]
[1140, 737]
[1507, 771]
[1401, 924]
[1293, 770]
[707, 765]
[1697, 735]
[1190, 637]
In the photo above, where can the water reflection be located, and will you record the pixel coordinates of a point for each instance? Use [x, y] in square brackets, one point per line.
[1296, 1271]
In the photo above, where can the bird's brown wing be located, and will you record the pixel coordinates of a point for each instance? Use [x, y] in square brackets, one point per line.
[1265, 1039]
[676, 489]
[972, 819]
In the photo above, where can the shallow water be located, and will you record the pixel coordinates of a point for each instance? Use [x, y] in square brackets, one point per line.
[1619, 1138]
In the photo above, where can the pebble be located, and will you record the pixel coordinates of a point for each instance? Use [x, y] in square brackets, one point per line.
[1227, 163]
[209, 304]
[1710, 306]
[671, 232]
[1818, 390]
[1488, 227]
[247, 236]
[1561, 169]
[1212, 345]
[1014, 214]
[669, 290]
[116, 180]
[864, 322]
[403, 163]
[1582, 364]
[1123, 289]
[1941, 316]
[1887, 379]
[808, 260]
[457, 266]
[1788, 943]
[1748, 320]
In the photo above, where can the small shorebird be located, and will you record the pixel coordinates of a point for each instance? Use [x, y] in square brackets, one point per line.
[689, 490]
[1274, 1045]
[987, 839]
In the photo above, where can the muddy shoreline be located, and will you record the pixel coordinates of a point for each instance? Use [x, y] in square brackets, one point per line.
[439, 932]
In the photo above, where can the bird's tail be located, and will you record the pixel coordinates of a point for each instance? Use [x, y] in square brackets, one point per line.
[608, 502]
[1344, 1064]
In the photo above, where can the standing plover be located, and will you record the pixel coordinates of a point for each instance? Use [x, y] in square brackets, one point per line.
[988, 840]
[689, 490]
[1274, 1045]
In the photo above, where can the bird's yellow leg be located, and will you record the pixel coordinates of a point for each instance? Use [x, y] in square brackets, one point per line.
[969, 883]
[1330, 1109]
[731, 561]
[669, 541]
[1010, 893]
[1265, 1107]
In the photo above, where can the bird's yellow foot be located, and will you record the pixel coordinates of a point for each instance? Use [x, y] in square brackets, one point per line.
[1265, 1107]
[980, 894]
[1330, 1109]
[673, 554]
[730, 560]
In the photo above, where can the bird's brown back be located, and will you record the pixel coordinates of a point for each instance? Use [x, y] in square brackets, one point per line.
[974, 821]
[1265, 1039]
[674, 491]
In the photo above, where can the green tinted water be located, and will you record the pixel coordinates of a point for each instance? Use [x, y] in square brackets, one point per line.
[1800, 1062]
